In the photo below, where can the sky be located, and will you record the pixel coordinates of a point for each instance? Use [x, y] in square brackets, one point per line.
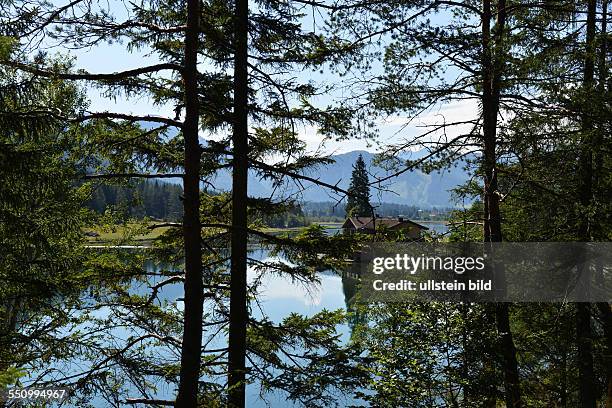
[107, 58]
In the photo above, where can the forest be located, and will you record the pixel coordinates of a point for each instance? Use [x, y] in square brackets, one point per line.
[161, 201]
[145, 199]
[100, 102]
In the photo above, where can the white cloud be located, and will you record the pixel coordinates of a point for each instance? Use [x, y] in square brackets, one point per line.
[398, 129]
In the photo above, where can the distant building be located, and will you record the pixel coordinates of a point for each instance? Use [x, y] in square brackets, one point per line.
[368, 225]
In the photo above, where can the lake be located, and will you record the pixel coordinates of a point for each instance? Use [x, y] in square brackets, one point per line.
[279, 296]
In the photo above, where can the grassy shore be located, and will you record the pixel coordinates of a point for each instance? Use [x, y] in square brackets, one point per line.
[128, 232]
[134, 232]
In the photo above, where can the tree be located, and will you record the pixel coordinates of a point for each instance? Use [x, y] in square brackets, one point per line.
[142, 146]
[157, 200]
[358, 201]
[557, 139]
[75, 21]
[577, 126]
[191, 353]
[41, 220]
[478, 54]
[415, 363]
[239, 315]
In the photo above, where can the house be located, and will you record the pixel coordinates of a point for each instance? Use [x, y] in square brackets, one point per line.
[367, 225]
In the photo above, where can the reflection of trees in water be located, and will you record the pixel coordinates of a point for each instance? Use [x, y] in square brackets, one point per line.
[350, 287]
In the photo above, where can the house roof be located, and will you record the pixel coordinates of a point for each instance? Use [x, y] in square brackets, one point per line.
[369, 223]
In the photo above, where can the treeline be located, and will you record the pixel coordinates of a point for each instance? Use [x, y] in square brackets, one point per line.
[161, 200]
[154, 199]
[293, 217]
[330, 211]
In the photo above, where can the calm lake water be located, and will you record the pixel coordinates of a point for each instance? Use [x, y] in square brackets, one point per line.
[435, 226]
[279, 297]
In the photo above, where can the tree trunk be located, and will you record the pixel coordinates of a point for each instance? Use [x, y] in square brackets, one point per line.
[586, 381]
[238, 282]
[192, 331]
[606, 318]
[586, 375]
[604, 308]
[563, 385]
[492, 67]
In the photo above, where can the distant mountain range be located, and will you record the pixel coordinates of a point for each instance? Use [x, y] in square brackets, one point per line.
[410, 188]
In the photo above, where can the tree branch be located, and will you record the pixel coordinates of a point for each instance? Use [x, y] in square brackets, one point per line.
[148, 401]
[133, 118]
[83, 75]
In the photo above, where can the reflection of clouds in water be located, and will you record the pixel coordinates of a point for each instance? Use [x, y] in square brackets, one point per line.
[278, 294]
[279, 297]
[275, 286]
[278, 291]
[281, 292]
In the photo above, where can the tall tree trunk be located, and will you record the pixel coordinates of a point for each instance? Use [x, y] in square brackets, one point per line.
[238, 283]
[563, 385]
[586, 375]
[492, 67]
[606, 318]
[192, 331]
[511, 377]
[604, 307]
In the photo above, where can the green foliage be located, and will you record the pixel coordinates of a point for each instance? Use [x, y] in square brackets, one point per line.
[41, 217]
[549, 155]
[466, 224]
[151, 199]
[10, 376]
[302, 356]
[289, 216]
[106, 308]
[425, 354]
[358, 201]
[6, 46]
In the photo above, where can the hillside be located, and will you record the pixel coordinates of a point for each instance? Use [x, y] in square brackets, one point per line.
[410, 188]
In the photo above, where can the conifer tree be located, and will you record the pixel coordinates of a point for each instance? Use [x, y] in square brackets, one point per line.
[429, 62]
[41, 218]
[528, 68]
[358, 201]
[123, 148]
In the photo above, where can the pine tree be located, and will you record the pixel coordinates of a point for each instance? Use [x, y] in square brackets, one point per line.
[358, 202]
[41, 221]
[122, 149]
[125, 148]
[527, 63]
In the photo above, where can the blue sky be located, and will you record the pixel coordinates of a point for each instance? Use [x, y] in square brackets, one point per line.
[115, 57]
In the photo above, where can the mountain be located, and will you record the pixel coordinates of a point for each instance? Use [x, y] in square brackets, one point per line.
[411, 188]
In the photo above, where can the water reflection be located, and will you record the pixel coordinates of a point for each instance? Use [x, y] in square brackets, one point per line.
[279, 296]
